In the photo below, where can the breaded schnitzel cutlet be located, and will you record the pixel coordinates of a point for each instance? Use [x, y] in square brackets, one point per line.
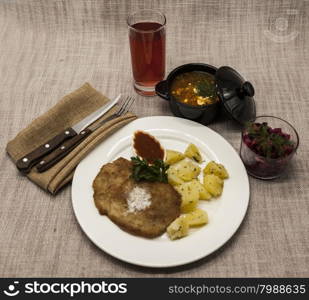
[112, 188]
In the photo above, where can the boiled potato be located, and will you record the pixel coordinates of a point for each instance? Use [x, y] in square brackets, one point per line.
[213, 184]
[185, 169]
[173, 179]
[193, 152]
[172, 156]
[216, 169]
[204, 194]
[197, 217]
[178, 228]
[189, 196]
[188, 205]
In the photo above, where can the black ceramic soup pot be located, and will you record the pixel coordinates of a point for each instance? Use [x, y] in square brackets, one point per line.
[204, 114]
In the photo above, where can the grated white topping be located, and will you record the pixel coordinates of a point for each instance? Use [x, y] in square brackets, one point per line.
[138, 199]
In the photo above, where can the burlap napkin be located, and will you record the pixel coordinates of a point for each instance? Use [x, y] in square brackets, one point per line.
[68, 111]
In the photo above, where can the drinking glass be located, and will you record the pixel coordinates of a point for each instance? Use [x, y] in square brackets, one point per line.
[147, 45]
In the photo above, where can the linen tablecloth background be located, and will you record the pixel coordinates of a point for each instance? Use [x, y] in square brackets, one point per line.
[50, 48]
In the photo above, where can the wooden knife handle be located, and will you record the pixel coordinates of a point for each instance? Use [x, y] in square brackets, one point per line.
[25, 164]
[65, 148]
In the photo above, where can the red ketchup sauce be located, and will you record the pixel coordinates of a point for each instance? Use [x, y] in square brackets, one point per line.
[147, 147]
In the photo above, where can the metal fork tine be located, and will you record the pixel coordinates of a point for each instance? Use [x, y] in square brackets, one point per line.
[123, 109]
[122, 104]
[129, 104]
[126, 106]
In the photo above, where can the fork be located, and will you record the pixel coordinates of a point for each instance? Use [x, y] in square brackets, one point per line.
[123, 109]
[65, 148]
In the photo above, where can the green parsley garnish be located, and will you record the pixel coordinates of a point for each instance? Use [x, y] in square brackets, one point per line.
[142, 170]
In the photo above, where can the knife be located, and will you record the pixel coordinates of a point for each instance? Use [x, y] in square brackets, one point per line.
[25, 163]
[65, 148]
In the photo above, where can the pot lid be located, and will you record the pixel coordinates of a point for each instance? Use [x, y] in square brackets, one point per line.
[236, 94]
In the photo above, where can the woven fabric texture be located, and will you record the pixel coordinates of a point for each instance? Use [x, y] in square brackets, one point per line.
[68, 111]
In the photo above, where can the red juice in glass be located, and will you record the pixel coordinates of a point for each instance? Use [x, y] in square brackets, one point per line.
[147, 46]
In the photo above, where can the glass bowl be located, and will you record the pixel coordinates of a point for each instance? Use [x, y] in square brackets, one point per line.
[262, 166]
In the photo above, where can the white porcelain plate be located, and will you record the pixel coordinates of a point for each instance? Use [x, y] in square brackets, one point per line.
[225, 213]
